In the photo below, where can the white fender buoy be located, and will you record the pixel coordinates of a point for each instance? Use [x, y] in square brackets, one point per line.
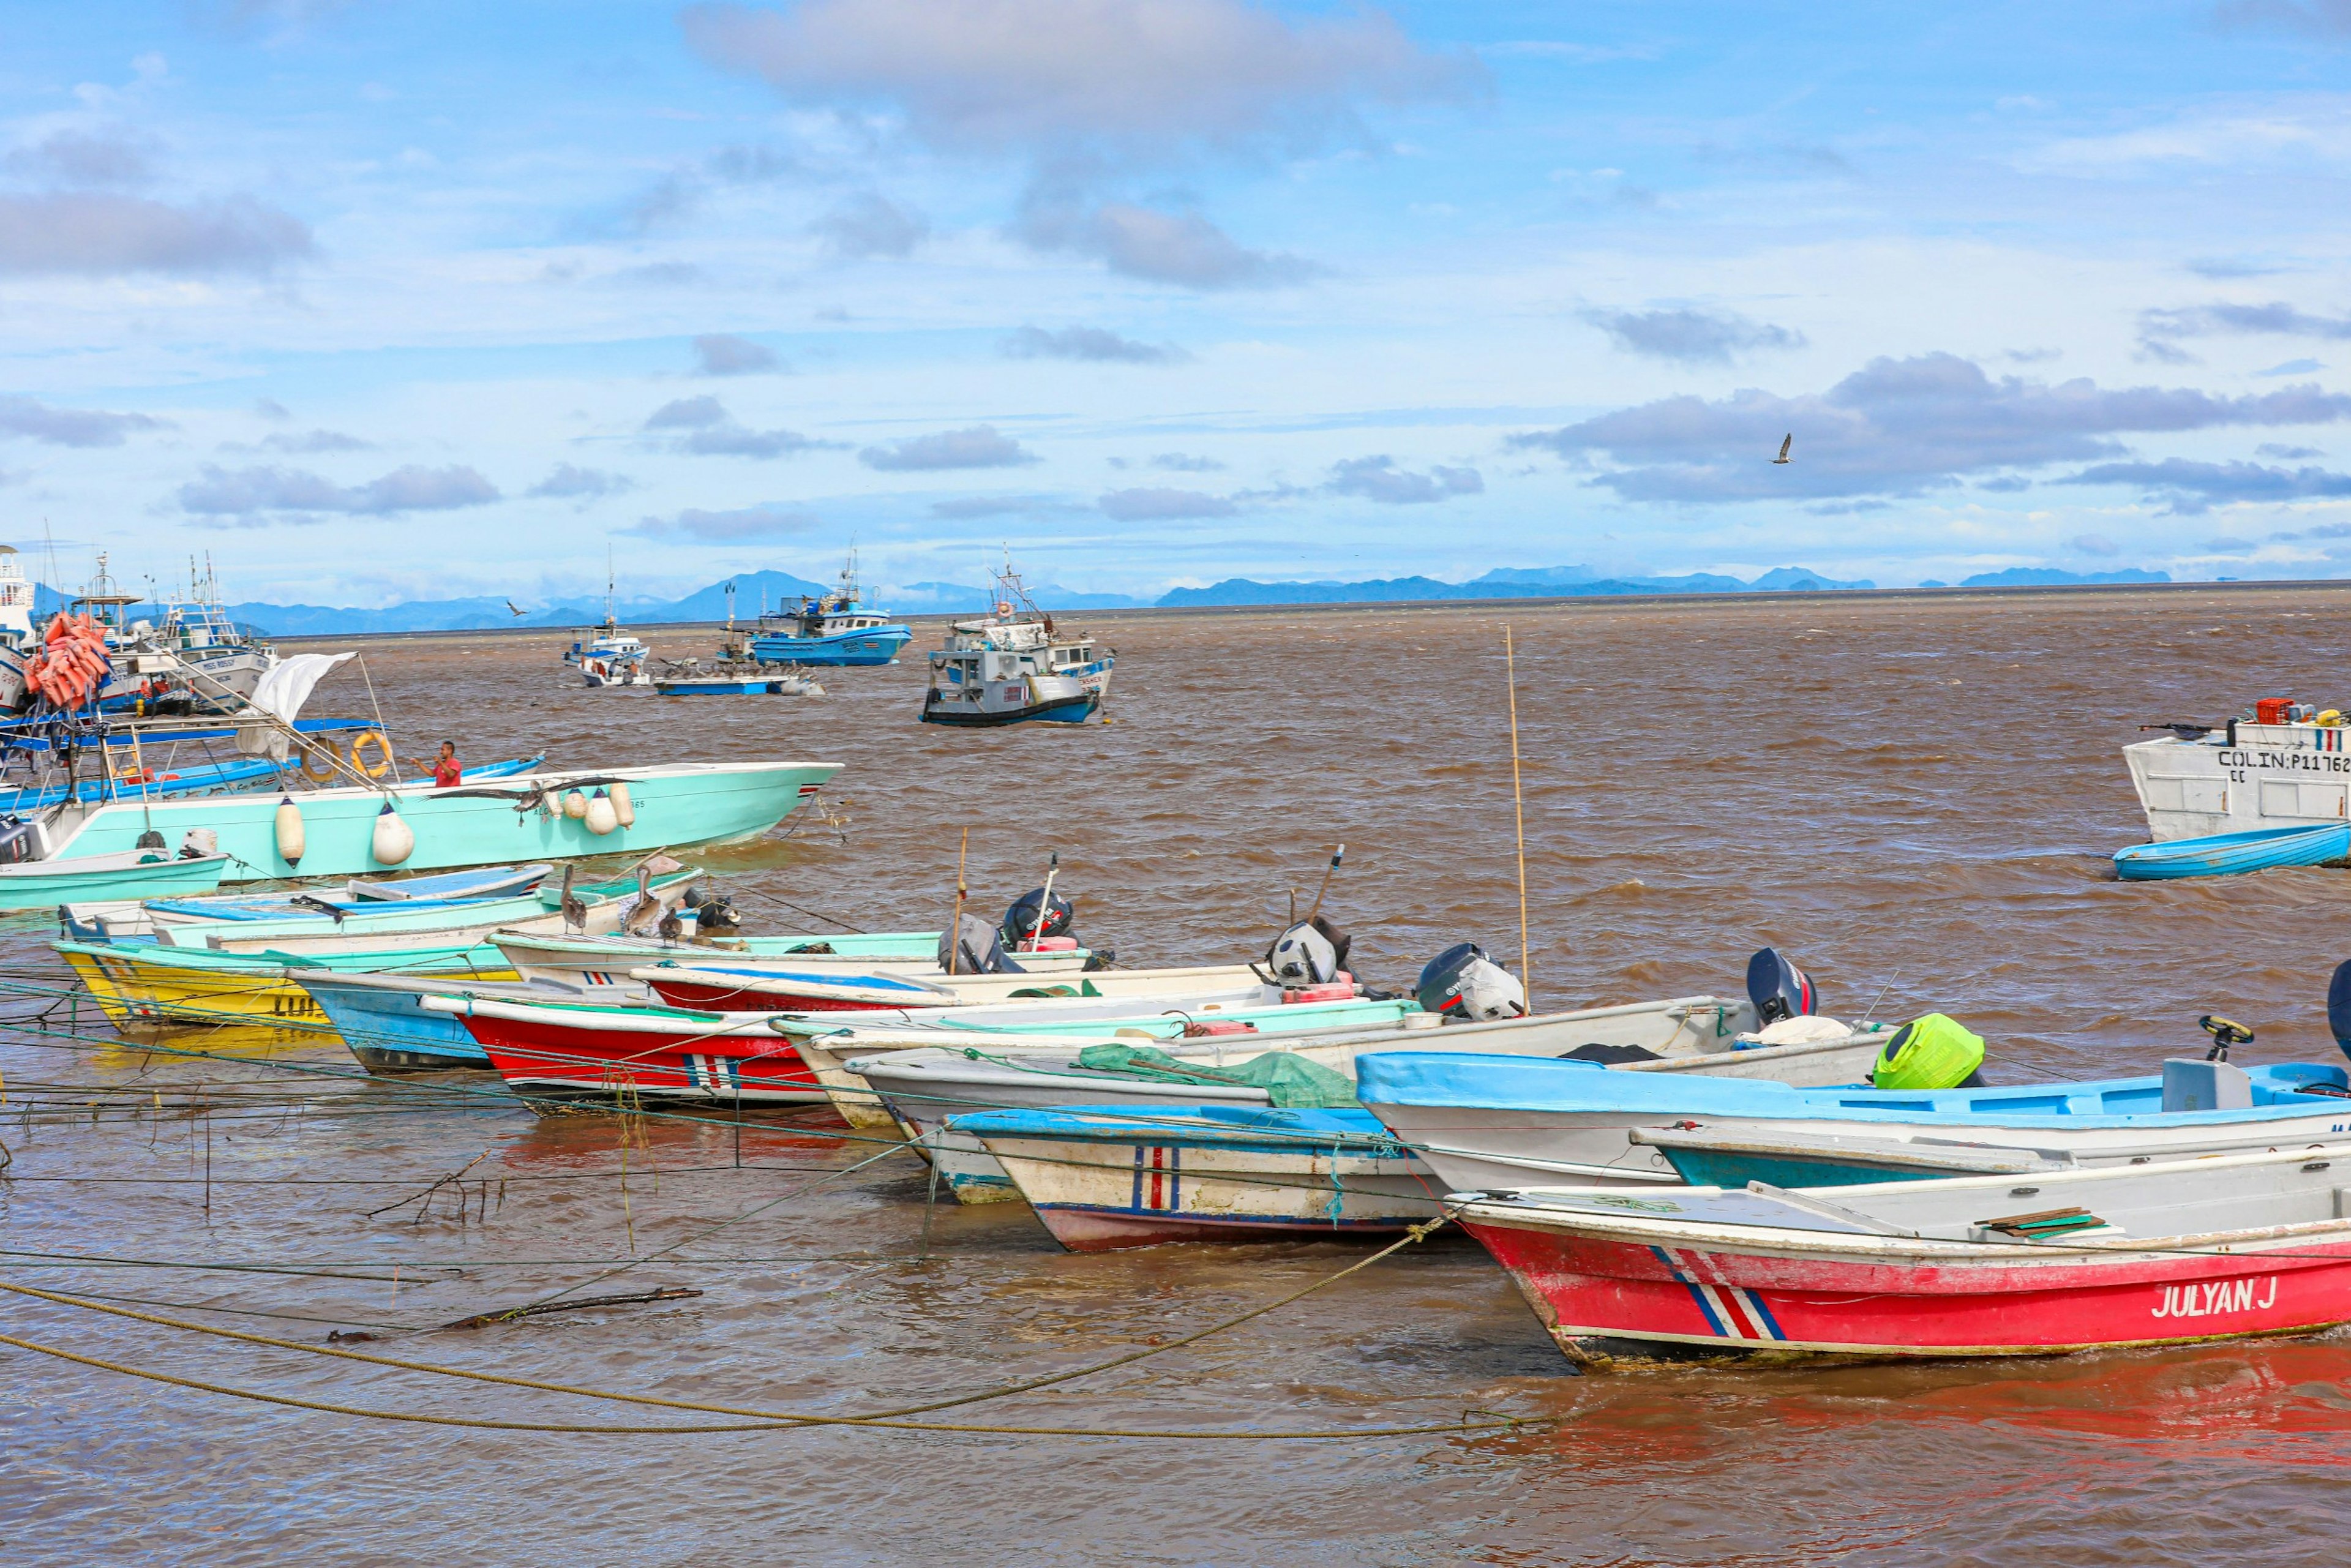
[622, 807]
[601, 817]
[575, 804]
[393, 841]
[291, 842]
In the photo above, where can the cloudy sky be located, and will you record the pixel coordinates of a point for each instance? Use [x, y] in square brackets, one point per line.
[386, 299]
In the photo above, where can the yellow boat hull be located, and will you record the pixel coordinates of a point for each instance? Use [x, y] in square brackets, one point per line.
[134, 992]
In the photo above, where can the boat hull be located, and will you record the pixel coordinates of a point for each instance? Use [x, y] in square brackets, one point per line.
[547, 1059]
[1074, 708]
[842, 650]
[2246, 775]
[2230, 854]
[39, 885]
[137, 985]
[463, 827]
[1600, 1295]
[389, 1032]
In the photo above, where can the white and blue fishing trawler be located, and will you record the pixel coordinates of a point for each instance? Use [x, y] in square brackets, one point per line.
[833, 630]
[1015, 666]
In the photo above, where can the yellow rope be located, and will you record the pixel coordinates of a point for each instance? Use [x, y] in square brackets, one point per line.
[878, 1418]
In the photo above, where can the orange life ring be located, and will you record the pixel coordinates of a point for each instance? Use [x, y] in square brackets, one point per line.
[381, 769]
[318, 754]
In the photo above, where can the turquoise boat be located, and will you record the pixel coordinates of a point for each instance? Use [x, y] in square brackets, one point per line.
[136, 874]
[500, 821]
[351, 927]
[2226, 854]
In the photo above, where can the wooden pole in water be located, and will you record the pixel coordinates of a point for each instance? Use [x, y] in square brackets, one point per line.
[954, 928]
[1045, 905]
[1519, 810]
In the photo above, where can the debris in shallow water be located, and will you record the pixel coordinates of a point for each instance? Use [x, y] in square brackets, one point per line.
[484, 1320]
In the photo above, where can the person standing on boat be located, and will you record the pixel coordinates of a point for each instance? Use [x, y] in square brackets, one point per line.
[447, 772]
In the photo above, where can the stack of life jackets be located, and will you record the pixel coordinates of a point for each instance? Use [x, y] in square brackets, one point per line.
[70, 665]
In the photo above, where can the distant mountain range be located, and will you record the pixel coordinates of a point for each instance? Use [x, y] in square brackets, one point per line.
[772, 589]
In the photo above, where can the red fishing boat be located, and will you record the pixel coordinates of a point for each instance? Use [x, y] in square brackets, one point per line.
[2111, 1256]
[584, 1051]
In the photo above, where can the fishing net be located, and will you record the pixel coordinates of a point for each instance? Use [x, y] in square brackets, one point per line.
[1289, 1080]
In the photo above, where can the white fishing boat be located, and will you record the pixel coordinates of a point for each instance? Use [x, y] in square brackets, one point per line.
[2287, 766]
[608, 654]
[1015, 666]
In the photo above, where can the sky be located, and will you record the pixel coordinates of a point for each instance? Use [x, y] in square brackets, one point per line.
[373, 300]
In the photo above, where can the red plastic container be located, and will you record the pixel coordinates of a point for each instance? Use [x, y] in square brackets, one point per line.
[2272, 710]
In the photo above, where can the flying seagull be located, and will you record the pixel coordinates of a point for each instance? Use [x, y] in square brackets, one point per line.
[510, 605]
[1786, 442]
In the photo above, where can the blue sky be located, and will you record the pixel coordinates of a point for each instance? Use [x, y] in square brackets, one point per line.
[392, 299]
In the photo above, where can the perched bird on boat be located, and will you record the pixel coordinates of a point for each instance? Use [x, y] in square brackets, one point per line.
[642, 915]
[1786, 442]
[575, 909]
[511, 606]
[671, 929]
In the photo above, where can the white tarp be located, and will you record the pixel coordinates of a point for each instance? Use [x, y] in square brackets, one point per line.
[282, 690]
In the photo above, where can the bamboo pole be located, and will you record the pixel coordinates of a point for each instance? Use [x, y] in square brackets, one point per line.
[1519, 810]
[955, 928]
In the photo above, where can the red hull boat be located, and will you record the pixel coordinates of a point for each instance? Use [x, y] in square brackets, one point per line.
[609, 1053]
[1981, 1266]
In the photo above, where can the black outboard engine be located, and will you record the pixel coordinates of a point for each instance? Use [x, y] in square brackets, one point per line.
[1020, 925]
[974, 949]
[1779, 990]
[1311, 952]
[1462, 982]
[20, 840]
[715, 913]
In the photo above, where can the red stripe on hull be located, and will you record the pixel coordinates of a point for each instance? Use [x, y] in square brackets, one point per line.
[1586, 1288]
[541, 1057]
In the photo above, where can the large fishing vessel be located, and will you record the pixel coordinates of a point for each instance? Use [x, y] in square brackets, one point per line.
[608, 654]
[1014, 666]
[2288, 766]
[833, 628]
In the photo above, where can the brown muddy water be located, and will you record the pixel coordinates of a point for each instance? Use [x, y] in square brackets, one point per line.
[1914, 797]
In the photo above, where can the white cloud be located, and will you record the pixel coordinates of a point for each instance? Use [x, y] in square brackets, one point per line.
[256, 496]
[89, 232]
[978, 446]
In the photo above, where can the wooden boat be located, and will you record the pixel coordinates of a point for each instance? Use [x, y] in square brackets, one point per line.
[1106, 1177]
[922, 1090]
[383, 1020]
[145, 982]
[747, 988]
[2226, 854]
[130, 875]
[587, 1050]
[368, 899]
[592, 961]
[455, 924]
[1486, 1124]
[2175, 1252]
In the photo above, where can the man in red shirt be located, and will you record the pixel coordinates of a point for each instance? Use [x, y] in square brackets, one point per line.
[446, 771]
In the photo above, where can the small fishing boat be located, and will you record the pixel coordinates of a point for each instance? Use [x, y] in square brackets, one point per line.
[508, 886]
[608, 654]
[914, 999]
[1014, 667]
[384, 1019]
[566, 1051]
[592, 961]
[1101, 1178]
[2226, 854]
[1489, 1123]
[130, 875]
[834, 629]
[2176, 1252]
[145, 984]
[354, 925]
[686, 678]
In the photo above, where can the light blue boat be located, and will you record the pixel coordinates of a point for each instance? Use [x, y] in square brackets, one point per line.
[383, 1021]
[832, 631]
[1488, 1123]
[142, 873]
[2225, 854]
[732, 686]
[498, 821]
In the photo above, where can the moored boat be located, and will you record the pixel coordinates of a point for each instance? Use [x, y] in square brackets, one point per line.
[130, 875]
[833, 631]
[2126, 1256]
[590, 1050]
[2228, 854]
[384, 1019]
[145, 982]
[1015, 666]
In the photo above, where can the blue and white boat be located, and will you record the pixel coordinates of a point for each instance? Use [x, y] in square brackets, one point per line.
[1015, 666]
[383, 1020]
[2226, 854]
[1490, 1123]
[832, 630]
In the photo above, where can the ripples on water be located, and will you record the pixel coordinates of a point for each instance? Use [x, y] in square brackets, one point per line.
[1916, 798]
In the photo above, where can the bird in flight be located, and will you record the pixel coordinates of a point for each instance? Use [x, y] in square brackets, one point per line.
[510, 605]
[1786, 442]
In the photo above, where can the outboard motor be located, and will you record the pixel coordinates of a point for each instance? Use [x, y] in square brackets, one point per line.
[1020, 925]
[713, 914]
[20, 840]
[1462, 982]
[974, 949]
[1779, 990]
[1311, 952]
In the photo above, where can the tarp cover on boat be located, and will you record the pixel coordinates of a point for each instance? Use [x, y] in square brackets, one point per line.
[1289, 1080]
[282, 690]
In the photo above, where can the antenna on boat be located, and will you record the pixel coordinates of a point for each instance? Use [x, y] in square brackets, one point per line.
[1337, 856]
[1519, 811]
